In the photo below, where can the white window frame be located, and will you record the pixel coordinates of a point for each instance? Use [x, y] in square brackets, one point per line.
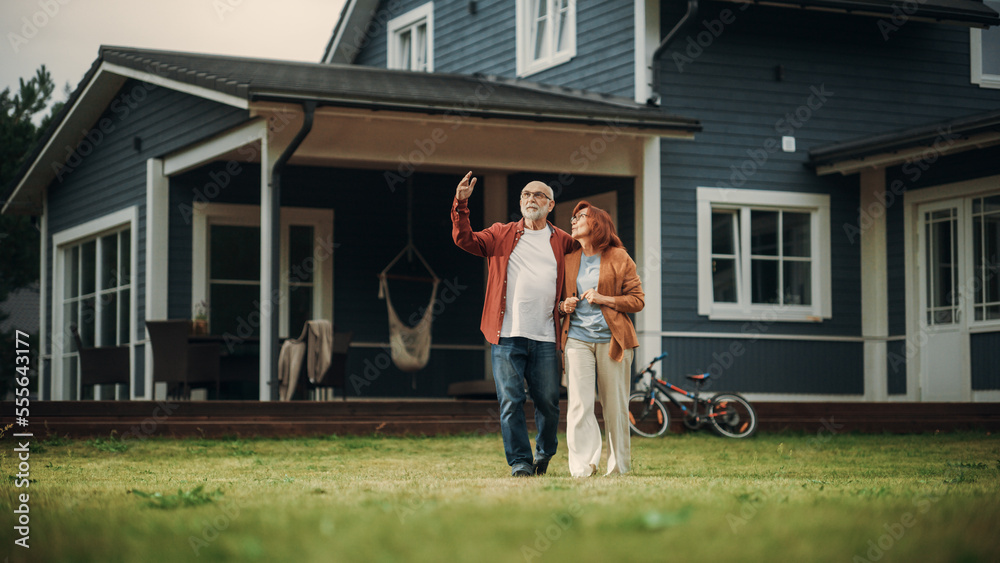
[971, 258]
[525, 25]
[817, 205]
[321, 220]
[408, 22]
[976, 58]
[125, 219]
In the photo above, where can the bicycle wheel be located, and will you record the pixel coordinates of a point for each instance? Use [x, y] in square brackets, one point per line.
[647, 416]
[732, 416]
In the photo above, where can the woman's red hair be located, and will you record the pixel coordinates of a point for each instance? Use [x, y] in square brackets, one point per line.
[602, 229]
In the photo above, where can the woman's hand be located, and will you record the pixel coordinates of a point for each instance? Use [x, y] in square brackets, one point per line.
[595, 298]
[569, 305]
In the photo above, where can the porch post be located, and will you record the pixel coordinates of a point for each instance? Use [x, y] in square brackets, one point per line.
[269, 235]
[157, 250]
[44, 391]
[874, 286]
[649, 253]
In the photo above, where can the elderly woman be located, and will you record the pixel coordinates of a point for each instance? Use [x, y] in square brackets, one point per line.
[598, 337]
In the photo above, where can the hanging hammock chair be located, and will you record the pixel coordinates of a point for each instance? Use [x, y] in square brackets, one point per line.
[410, 347]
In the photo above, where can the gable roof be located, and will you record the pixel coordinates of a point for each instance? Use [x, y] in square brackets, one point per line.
[241, 81]
[896, 147]
[378, 88]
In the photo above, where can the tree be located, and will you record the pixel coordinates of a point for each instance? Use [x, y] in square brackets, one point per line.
[19, 239]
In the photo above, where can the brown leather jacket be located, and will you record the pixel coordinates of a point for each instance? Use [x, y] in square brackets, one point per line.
[617, 279]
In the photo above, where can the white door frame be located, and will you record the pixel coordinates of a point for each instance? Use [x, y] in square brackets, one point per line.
[915, 268]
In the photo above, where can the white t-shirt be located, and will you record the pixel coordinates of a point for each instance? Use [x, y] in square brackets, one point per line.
[531, 288]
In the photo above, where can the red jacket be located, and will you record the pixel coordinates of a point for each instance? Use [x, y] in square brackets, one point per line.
[496, 243]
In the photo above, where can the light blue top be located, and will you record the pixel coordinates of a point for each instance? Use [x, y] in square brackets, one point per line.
[587, 322]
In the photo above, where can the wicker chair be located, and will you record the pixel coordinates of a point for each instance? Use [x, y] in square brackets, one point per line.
[102, 365]
[180, 364]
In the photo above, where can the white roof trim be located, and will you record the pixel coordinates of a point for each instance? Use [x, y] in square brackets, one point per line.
[153, 78]
[107, 81]
[197, 154]
[354, 25]
[69, 130]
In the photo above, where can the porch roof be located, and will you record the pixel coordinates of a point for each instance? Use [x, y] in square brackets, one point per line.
[243, 82]
[972, 13]
[896, 147]
[379, 88]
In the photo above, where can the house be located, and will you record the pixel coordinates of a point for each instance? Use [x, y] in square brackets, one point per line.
[275, 192]
[831, 233]
[810, 189]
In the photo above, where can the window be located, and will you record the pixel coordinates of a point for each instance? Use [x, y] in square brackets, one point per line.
[985, 52]
[411, 40]
[986, 257]
[546, 34]
[92, 289]
[226, 269]
[763, 252]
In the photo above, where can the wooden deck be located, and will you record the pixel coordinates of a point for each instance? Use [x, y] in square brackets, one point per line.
[140, 419]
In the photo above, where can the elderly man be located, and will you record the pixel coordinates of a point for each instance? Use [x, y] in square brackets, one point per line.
[526, 269]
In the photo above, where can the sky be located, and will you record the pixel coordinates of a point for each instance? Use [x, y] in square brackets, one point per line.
[65, 35]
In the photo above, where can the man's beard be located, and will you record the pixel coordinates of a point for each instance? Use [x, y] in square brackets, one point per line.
[532, 214]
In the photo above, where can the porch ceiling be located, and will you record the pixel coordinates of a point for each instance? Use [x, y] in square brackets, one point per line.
[398, 140]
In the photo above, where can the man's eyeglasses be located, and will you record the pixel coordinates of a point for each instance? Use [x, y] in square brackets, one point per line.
[577, 217]
[535, 195]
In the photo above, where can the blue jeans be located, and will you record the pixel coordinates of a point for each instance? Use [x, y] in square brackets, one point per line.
[516, 360]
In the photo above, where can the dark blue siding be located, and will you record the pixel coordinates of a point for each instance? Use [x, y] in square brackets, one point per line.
[369, 229]
[842, 80]
[485, 42]
[767, 366]
[985, 353]
[113, 175]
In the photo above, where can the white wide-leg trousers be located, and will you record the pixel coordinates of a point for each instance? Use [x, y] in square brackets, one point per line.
[588, 363]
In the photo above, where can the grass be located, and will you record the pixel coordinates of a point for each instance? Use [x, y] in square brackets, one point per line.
[690, 497]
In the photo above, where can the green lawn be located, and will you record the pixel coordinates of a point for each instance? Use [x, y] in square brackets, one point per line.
[690, 497]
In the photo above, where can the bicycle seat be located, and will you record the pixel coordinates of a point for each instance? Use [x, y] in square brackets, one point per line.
[698, 377]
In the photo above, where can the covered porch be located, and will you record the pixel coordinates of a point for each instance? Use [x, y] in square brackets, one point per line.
[290, 215]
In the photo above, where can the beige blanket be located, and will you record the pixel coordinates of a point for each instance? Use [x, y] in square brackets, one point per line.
[315, 346]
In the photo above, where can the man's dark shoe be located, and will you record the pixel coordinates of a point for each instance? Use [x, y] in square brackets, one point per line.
[541, 466]
[522, 470]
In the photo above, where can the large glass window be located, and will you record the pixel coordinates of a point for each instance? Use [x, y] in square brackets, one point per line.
[986, 257]
[762, 254]
[546, 34]
[411, 40]
[96, 297]
[227, 267]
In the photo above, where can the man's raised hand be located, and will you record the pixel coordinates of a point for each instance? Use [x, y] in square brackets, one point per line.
[465, 187]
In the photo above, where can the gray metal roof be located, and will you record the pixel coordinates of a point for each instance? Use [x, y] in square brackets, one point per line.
[923, 136]
[378, 88]
[962, 12]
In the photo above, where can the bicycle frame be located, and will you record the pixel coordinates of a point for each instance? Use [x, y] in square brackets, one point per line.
[667, 389]
[690, 416]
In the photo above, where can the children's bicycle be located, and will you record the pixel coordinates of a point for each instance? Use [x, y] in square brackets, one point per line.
[729, 414]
